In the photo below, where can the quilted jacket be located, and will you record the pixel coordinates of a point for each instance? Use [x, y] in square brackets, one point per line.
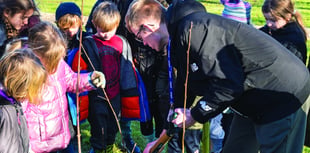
[48, 121]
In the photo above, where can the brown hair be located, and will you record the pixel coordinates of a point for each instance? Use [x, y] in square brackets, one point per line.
[48, 44]
[16, 6]
[68, 21]
[22, 75]
[284, 9]
[140, 9]
[106, 16]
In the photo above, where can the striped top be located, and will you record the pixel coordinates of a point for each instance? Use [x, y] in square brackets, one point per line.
[238, 10]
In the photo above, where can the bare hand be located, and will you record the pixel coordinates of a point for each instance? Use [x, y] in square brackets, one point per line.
[98, 79]
[187, 118]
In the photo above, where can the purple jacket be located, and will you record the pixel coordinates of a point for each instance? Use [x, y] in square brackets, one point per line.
[48, 121]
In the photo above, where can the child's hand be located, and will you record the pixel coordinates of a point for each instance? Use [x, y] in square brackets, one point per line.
[98, 79]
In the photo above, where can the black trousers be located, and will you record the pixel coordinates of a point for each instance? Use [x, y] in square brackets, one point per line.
[103, 124]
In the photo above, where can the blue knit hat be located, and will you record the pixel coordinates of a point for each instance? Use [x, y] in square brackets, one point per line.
[67, 8]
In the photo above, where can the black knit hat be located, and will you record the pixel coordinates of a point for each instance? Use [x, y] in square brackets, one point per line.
[67, 8]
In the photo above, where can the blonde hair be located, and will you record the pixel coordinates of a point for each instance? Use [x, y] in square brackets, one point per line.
[106, 16]
[48, 44]
[22, 75]
[68, 21]
[284, 9]
[142, 9]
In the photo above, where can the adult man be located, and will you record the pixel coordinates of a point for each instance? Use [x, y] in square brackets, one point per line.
[229, 64]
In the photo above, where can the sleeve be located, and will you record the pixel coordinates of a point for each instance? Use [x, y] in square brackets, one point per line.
[6, 133]
[71, 79]
[3, 133]
[215, 73]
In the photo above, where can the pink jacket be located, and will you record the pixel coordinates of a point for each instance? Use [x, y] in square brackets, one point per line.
[48, 122]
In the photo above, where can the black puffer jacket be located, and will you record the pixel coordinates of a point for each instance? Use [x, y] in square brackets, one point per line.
[233, 64]
[14, 136]
[292, 37]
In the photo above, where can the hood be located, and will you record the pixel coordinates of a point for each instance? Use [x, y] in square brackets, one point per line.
[180, 9]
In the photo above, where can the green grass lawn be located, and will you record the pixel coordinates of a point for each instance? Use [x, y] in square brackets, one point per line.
[212, 6]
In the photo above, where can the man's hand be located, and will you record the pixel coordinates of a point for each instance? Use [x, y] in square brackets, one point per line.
[98, 79]
[187, 118]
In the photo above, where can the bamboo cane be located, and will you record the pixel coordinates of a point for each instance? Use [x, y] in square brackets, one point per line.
[77, 86]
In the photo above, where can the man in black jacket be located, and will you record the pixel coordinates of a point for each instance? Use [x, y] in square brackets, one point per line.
[232, 65]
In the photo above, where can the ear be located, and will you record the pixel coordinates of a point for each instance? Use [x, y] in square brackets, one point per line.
[289, 17]
[93, 23]
[6, 13]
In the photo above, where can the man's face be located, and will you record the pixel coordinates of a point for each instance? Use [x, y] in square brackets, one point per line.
[151, 33]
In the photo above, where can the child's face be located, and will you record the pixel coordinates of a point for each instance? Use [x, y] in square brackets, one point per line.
[274, 23]
[105, 35]
[71, 31]
[20, 19]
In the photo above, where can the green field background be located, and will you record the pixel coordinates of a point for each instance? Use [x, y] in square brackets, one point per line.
[212, 6]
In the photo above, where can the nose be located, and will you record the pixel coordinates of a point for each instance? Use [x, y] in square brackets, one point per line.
[269, 24]
[70, 33]
[25, 21]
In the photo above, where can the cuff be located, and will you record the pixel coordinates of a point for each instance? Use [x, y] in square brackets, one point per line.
[90, 81]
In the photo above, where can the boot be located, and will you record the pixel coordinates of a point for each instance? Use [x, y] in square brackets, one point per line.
[126, 132]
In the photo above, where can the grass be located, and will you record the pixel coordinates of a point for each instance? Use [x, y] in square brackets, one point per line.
[212, 6]
[49, 6]
[136, 134]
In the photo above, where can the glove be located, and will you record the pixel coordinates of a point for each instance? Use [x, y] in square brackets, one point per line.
[98, 79]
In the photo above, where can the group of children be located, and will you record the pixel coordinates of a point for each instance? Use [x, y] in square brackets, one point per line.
[39, 79]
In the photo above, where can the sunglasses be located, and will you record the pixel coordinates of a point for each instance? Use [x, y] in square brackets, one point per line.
[143, 28]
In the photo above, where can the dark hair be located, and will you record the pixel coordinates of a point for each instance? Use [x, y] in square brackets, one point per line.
[284, 9]
[16, 6]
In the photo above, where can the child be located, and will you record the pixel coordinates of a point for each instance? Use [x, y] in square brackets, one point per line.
[69, 21]
[115, 56]
[48, 121]
[13, 16]
[285, 24]
[21, 77]
[237, 10]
